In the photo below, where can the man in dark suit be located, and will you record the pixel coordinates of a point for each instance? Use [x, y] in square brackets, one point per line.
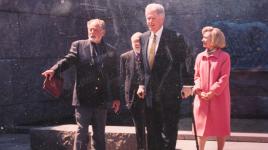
[96, 80]
[163, 56]
[129, 67]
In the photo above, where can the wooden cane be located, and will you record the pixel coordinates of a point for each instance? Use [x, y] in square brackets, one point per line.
[193, 121]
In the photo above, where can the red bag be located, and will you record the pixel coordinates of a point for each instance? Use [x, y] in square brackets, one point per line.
[53, 86]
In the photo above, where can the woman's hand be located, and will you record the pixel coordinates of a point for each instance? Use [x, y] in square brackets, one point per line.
[207, 95]
[198, 92]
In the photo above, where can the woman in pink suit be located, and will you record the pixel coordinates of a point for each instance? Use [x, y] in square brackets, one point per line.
[212, 95]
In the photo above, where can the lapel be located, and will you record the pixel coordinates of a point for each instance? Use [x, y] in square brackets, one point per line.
[144, 52]
[100, 49]
[88, 50]
[161, 50]
[164, 51]
[132, 63]
[161, 46]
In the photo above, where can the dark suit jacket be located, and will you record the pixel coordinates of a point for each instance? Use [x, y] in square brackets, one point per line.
[165, 80]
[127, 73]
[95, 83]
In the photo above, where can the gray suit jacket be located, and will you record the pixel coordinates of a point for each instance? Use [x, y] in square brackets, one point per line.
[129, 84]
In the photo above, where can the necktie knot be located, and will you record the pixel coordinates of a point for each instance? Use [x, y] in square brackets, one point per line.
[154, 37]
[138, 56]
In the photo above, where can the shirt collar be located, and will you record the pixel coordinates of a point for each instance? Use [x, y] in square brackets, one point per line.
[158, 33]
[136, 54]
[215, 54]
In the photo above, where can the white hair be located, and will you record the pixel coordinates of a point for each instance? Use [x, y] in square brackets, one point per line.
[158, 8]
[136, 35]
[100, 22]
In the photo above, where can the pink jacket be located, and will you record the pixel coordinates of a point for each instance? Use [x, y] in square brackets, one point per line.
[212, 73]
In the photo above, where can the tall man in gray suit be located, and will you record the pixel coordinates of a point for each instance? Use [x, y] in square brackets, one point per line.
[129, 67]
[96, 76]
[163, 56]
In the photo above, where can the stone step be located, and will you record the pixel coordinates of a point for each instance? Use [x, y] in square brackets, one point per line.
[235, 137]
[61, 137]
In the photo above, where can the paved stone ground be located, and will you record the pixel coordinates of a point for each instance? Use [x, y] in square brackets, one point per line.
[22, 141]
[15, 142]
[237, 125]
[212, 145]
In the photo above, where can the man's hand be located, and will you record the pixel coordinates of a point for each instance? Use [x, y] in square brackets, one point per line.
[48, 74]
[141, 92]
[116, 105]
[186, 91]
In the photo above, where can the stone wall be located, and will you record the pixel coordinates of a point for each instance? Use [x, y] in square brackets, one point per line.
[34, 34]
[249, 93]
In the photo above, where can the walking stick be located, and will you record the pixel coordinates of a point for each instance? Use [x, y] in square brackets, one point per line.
[193, 121]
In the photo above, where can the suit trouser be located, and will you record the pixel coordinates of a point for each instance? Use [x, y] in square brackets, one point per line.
[97, 117]
[162, 126]
[138, 115]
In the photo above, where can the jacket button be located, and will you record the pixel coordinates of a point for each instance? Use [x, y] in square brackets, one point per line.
[96, 88]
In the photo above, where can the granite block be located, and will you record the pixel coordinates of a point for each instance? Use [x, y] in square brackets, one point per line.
[9, 31]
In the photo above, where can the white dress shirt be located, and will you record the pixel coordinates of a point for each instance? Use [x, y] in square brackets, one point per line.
[158, 36]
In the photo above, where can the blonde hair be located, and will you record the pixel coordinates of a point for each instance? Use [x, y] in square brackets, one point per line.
[158, 8]
[136, 35]
[100, 22]
[217, 36]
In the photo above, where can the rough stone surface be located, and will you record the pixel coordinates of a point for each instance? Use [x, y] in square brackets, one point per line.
[6, 90]
[22, 99]
[247, 44]
[49, 36]
[10, 35]
[49, 140]
[119, 137]
[34, 34]
[249, 96]
[15, 142]
[62, 137]
[22, 142]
